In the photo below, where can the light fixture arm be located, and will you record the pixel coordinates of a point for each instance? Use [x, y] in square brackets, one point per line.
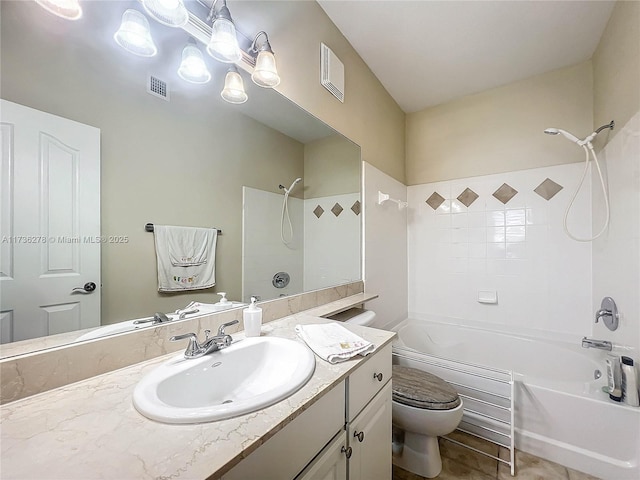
[223, 12]
[212, 11]
[265, 47]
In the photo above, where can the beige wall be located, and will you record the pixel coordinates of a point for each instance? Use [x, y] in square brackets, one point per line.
[331, 167]
[369, 116]
[616, 69]
[501, 129]
[181, 162]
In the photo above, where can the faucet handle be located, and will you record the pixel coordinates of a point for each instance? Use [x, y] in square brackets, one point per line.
[225, 325]
[193, 346]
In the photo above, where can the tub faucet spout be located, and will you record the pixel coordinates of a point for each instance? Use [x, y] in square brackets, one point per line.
[601, 344]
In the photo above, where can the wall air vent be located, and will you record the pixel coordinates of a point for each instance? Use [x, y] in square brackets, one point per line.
[158, 88]
[331, 72]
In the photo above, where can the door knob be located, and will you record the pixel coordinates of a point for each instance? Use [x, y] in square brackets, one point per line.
[86, 288]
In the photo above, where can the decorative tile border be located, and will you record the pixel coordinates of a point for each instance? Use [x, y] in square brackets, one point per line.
[467, 197]
[37, 372]
[505, 193]
[435, 200]
[547, 190]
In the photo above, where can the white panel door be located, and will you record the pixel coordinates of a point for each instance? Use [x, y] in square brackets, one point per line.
[50, 224]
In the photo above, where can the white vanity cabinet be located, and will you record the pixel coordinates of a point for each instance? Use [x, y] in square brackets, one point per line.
[330, 464]
[369, 418]
[345, 434]
[369, 436]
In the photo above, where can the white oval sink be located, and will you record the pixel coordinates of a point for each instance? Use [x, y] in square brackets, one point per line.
[251, 374]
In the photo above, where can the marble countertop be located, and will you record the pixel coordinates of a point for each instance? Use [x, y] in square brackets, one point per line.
[90, 429]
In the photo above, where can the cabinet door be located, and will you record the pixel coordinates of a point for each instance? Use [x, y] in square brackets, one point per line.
[285, 454]
[369, 436]
[331, 463]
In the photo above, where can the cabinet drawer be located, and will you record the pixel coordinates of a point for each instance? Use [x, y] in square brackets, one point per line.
[363, 385]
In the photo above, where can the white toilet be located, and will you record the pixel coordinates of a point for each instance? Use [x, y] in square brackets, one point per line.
[424, 407]
[355, 316]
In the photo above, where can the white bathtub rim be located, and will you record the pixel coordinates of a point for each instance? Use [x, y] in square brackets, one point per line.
[575, 390]
[574, 457]
[563, 339]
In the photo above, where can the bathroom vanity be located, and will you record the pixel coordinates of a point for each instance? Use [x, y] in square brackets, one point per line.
[90, 429]
[348, 429]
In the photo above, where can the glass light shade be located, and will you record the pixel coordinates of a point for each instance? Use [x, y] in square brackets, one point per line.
[134, 35]
[192, 68]
[233, 91]
[265, 73]
[172, 13]
[223, 45]
[69, 9]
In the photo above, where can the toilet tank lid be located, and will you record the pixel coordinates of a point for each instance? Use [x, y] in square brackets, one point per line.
[420, 389]
[364, 318]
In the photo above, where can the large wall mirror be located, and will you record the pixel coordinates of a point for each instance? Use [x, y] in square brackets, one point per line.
[189, 160]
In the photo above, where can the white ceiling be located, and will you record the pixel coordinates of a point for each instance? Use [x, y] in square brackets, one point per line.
[430, 52]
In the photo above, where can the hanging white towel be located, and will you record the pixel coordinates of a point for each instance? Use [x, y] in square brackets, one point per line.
[186, 257]
[333, 342]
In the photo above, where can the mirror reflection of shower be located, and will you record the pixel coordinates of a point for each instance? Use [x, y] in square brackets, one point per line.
[287, 238]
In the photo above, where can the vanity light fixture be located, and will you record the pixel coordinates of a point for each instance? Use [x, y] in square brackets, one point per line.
[171, 13]
[265, 73]
[134, 35]
[223, 45]
[192, 68]
[67, 9]
[233, 91]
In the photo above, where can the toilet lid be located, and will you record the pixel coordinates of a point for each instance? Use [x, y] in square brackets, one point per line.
[420, 389]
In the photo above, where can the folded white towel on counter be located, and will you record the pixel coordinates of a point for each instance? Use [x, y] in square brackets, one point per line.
[186, 257]
[333, 342]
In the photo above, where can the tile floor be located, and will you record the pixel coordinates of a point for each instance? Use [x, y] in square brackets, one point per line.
[461, 463]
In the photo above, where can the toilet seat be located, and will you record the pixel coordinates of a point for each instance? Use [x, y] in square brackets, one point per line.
[424, 390]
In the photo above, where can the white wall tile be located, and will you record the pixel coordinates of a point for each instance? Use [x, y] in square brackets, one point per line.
[518, 249]
[263, 253]
[616, 255]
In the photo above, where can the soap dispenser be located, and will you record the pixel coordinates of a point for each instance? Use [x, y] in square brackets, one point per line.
[252, 317]
[223, 300]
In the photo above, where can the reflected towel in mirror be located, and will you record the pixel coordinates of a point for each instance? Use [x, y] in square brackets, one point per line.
[186, 257]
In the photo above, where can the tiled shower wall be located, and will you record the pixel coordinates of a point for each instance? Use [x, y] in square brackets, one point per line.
[332, 238]
[263, 253]
[326, 231]
[616, 255]
[502, 235]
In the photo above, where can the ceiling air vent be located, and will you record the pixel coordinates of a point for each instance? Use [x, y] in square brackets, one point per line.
[158, 88]
[331, 72]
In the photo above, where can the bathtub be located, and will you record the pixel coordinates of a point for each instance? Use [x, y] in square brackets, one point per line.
[560, 413]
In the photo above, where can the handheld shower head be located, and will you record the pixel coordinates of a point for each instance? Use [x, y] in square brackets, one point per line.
[288, 190]
[556, 131]
[296, 181]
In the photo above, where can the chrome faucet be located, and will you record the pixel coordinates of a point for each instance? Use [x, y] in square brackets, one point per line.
[156, 319]
[196, 349]
[601, 344]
